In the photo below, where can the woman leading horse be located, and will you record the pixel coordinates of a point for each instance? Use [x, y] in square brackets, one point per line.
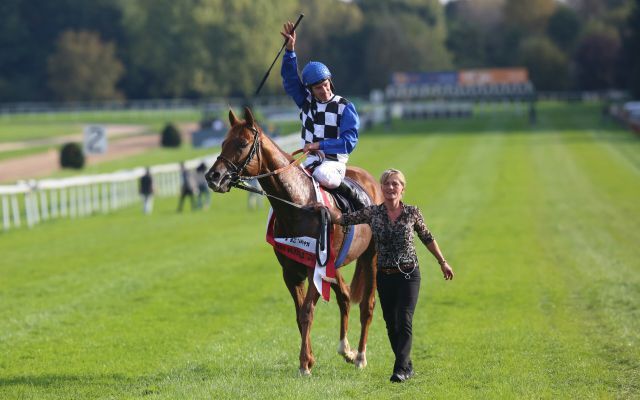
[247, 152]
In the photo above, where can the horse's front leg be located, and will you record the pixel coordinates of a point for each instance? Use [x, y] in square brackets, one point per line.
[305, 322]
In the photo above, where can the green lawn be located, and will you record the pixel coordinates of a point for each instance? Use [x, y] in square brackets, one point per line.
[540, 225]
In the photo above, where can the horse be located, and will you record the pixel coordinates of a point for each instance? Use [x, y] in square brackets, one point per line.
[247, 151]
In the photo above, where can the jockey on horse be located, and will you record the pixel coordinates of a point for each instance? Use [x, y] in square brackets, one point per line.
[329, 122]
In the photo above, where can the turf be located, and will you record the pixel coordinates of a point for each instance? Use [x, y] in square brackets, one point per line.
[539, 223]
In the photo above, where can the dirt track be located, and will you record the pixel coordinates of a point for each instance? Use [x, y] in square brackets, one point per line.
[44, 164]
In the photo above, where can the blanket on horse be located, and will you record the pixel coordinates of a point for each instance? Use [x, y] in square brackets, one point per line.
[310, 252]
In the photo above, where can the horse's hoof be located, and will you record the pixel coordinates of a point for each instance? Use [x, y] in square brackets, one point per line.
[349, 356]
[345, 351]
[361, 361]
[304, 372]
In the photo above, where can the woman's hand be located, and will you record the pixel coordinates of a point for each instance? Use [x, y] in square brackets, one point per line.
[446, 271]
[334, 215]
[290, 35]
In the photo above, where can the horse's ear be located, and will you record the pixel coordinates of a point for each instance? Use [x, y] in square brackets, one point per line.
[233, 120]
[248, 116]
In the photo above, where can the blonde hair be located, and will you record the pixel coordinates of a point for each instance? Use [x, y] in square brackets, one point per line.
[391, 172]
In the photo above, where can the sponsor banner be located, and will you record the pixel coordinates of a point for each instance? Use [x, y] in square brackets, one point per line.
[302, 249]
[424, 78]
[493, 76]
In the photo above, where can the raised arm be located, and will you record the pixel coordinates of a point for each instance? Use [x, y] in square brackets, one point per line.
[289, 70]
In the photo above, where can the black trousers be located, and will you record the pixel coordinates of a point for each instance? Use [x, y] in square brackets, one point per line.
[398, 299]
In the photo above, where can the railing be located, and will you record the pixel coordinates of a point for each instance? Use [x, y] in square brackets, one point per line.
[31, 202]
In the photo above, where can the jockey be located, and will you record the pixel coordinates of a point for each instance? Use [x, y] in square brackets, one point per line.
[329, 122]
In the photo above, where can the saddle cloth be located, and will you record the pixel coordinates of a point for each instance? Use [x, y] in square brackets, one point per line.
[305, 250]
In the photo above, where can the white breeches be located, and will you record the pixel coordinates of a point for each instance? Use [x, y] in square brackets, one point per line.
[329, 174]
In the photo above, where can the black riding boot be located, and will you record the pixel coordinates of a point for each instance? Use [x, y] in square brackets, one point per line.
[348, 192]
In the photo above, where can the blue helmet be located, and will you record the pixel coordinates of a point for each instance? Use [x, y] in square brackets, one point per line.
[315, 72]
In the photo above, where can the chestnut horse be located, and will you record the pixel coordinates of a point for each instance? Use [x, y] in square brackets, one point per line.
[246, 151]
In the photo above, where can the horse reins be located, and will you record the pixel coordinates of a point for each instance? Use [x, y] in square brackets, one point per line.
[239, 181]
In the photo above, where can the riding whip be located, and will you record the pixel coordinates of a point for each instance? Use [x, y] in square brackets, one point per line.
[278, 56]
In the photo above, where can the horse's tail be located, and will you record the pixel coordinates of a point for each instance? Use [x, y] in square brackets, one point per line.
[363, 278]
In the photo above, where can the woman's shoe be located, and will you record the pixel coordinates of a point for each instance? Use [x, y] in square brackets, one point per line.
[409, 374]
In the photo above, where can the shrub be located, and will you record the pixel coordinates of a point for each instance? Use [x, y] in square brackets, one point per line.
[71, 156]
[170, 136]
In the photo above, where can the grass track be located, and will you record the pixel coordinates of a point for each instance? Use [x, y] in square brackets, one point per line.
[540, 224]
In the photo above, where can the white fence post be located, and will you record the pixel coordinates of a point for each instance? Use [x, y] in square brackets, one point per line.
[114, 195]
[54, 203]
[44, 206]
[6, 218]
[16, 210]
[105, 198]
[95, 194]
[63, 202]
[72, 202]
[28, 209]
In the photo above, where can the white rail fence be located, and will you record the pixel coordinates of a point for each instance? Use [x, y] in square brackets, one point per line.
[32, 202]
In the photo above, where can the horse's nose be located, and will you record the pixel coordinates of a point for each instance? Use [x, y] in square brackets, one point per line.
[212, 176]
[214, 179]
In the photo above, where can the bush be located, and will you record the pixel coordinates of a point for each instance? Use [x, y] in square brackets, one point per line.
[71, 156]
[170, 136]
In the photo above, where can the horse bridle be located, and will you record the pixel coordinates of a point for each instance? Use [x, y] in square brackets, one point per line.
[238, 181]
[236, 171]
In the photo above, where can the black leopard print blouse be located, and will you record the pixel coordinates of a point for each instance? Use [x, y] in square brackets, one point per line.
[394, 240]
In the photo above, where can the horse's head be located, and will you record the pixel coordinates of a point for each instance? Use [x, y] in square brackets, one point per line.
[238, 153]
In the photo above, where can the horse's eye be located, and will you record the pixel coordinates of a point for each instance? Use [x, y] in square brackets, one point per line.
[243, 144]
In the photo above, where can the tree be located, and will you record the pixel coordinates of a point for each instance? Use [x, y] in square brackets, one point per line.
[84, 68]
[528, 16]
[14, 39]
[596, 58]
[631, 52]
[197, 48]
[331, 35]
[28, 34]
[401, 35]
[167, 54]
[564, 28]
[548, 66]
[474, 32]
